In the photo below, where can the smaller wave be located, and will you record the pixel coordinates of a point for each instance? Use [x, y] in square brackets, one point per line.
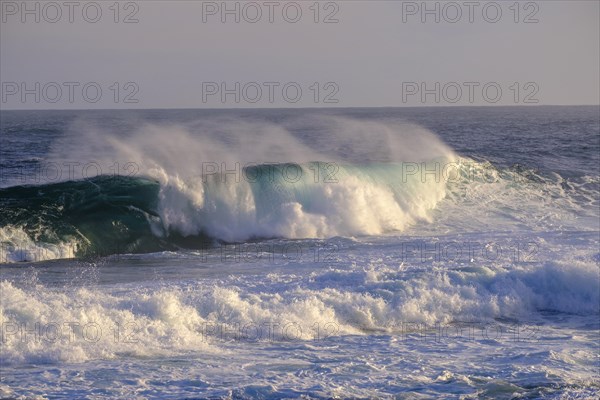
[78, 324]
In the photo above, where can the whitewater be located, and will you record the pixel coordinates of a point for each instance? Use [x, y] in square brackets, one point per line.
[395, 253]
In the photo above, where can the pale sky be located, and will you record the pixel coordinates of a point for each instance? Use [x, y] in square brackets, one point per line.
[179, 54]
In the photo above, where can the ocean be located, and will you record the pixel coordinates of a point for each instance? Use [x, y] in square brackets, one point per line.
[436, 252]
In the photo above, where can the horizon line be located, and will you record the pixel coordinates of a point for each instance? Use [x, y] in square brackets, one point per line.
[298, 108]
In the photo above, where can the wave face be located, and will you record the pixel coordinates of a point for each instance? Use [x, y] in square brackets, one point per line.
[79, 218]
[107, 214]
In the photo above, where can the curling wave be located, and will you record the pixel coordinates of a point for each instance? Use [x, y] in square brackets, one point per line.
[116, 214]
[106, 214]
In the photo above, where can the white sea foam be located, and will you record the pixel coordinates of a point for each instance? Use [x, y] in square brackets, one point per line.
[17, 246]
[161, 319]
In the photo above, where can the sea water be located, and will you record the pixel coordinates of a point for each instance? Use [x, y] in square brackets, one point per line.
[383, 252]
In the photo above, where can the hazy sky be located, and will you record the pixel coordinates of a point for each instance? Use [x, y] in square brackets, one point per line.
[176, 54]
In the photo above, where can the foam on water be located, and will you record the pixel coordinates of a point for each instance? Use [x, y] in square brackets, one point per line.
[353, 298]
[18, 246]
[42, 325]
